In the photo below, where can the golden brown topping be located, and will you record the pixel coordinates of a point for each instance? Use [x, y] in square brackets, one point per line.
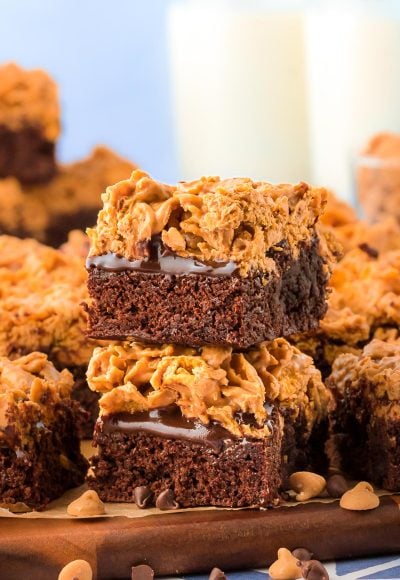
[377, 368]
[361, 497]
[88, 504]
[41, 291]
[76, 187]
[365, 295]
[30, 382]
[210, 219]
[212, 384]
[307, 484]
[286, 567]
[378, 177]
[384, 145]
[76, 570]
[29, 97]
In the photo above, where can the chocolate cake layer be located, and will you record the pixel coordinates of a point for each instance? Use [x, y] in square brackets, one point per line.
[89, 402]
[365, 417]
[368, 445]
[194, 309]
[39, 472]
[201, 465]
[26, 154]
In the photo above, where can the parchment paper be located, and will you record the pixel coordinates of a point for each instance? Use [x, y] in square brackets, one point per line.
[57, 509]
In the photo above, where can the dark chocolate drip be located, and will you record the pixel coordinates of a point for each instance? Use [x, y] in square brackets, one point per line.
[158, 258]
[168, 422]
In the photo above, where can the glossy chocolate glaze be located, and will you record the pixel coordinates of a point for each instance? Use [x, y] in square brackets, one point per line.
[169, 422]
[158, 258]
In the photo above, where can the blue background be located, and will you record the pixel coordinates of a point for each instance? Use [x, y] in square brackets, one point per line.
[110, 60]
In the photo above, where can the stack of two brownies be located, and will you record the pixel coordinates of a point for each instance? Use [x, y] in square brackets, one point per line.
[204, 400]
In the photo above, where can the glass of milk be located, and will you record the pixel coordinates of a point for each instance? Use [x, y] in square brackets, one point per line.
[239, 88]
[353, 55]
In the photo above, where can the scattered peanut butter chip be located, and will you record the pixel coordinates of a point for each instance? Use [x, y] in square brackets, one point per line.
[302, 554]
[314, 570]
[142, 572]
[216, 574]
[166, 500]
[76, 570]
[16, 508]
[336, 485]
[360, 497]
[286, 567]
[307, 484]
[88, 504]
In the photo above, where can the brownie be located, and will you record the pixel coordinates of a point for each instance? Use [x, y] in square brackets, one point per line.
[231, 262]
[41, 293]
[69, 201]
[214, 426]
[351, 232]
[364, 303]
[29, 124]
[39, 449]
[378, 177]
[365, 419]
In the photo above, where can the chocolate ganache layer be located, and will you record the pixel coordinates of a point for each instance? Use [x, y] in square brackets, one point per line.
[157, 257]
[169, 423]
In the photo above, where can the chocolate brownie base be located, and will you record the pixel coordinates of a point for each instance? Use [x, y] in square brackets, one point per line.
[88, 400]
[194, 309]
[368, 446]
[26, 154]
[240, 473]
[46, 466]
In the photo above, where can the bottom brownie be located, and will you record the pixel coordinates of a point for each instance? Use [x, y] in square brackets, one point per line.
[213, 426]
[39, 448]
[232, 472]
[365, 421]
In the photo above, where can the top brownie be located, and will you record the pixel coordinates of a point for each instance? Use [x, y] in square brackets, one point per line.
[29, 124]
[227, 262]
[72, 199]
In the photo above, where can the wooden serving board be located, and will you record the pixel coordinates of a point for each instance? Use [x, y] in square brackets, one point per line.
[178, 543]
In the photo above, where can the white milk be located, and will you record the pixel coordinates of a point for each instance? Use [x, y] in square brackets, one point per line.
[238, 77]
[354, 84]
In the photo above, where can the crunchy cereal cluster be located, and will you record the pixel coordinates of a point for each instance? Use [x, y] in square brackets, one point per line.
[341, 220]
[77, 186]
[377, 369]
[212, 383]
[30, 386]
[210, 219]
[365, 296]
[29, 97]
[41, 291]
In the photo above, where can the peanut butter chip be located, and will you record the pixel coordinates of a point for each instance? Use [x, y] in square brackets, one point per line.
[286, 567]
[360, 497]
[307, 484]
[76, 570]
[88, 504]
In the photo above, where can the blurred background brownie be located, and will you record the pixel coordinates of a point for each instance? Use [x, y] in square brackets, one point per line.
[365, 420]
[41, 295]
[364, 303]
[29, 124]
[39, 449]
[71, 200]
[341, 220]
[230, 262]
[215, 427]
[378, 177]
